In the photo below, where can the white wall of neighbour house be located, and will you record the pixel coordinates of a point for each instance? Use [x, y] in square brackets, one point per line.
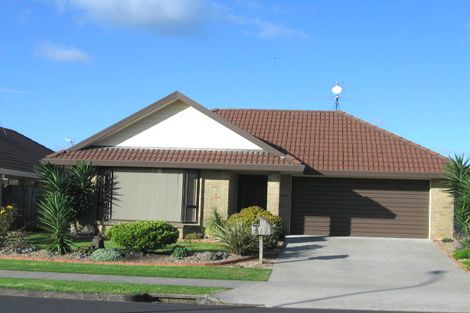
[179, 126]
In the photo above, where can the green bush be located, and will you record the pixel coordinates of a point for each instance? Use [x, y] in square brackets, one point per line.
[462, 254]
[236, 237]
[7, 218]
[194, 236]
[251, 215]
[106, 255]
[144, 236]
[180, 252]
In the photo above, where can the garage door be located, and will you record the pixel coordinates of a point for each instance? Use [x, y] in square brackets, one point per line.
[360, 207]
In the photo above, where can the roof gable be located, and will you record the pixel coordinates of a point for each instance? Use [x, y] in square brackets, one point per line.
[176, 122]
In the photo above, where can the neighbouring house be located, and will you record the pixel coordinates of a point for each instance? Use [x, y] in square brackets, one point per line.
[18, 181]
[323, 172]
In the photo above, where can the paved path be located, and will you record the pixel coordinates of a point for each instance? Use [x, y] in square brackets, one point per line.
[360, 273]
[125, 279]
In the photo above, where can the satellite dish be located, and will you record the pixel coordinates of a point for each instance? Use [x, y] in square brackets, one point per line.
[337, 89]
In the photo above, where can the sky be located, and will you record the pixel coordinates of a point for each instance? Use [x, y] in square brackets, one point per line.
[69, 68]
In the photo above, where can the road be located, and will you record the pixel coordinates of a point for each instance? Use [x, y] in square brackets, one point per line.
[40, 305]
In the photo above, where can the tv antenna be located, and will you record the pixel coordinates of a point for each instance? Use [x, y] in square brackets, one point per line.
[337, 90]
[69, 140]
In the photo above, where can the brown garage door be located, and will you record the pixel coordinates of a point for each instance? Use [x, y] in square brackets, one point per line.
[360, 207]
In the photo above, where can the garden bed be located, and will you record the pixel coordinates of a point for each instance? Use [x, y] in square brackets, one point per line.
[204, 252]
[456, 252]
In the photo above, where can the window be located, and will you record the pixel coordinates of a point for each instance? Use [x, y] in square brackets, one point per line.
[155, 194]
[191, 196]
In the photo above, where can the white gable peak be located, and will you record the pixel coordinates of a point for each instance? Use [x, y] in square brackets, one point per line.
[178, 126]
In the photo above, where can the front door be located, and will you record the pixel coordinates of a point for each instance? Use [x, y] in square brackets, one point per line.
[252, 190]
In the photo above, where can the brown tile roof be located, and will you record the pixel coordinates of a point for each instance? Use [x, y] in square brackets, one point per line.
[18, 152]
[335, 141]
[112, 156]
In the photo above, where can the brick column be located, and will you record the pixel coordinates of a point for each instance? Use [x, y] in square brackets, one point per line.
[274, 185]
[441, 211]
[218, 193]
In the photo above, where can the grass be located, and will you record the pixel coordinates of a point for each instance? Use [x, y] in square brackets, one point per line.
[196, 272]
[461, 254]
[467, 264]
[102, 287]
[40, 240]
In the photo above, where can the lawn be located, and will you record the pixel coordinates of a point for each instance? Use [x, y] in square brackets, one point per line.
[40, 240]
[467, 264]
[102, 287]
[196, 272]
[463, 255]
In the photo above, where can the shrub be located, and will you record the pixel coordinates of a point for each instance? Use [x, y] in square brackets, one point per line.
[236, 237]
[462, 254]
[214, 222]
[83, 188]
[7, 218]
[194, 236]
[447, 239]
[457, 182]
[180, 252]
[106, 255]
[55, 215]
[144, 236]
[251, 215]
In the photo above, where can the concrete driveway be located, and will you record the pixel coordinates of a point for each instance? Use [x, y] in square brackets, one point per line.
[360, 273]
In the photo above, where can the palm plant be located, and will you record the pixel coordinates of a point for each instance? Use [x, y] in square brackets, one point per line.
[55, 215]
[236, 237]
[53, 178]
[458, 184]
[215, 221]
[82, 187]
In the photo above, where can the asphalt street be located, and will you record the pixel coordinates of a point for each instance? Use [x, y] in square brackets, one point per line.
[41, 305]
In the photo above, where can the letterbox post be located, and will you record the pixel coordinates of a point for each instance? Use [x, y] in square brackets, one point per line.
[260, 249]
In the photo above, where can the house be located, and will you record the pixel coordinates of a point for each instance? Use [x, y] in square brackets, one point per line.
[323, 172]
[18, 182]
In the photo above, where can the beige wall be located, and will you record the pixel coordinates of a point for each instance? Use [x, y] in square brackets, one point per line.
[218, 192]
[441, 211]
[273, 190]
[279, 197]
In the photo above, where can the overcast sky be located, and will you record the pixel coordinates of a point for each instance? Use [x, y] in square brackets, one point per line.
[69, 68]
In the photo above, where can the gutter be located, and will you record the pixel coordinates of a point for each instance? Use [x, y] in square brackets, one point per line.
[298, 168]
[18, 173]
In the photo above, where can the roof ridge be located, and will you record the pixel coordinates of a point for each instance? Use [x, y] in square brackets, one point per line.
[170, 149]
[25, 137]
[389, 133]
[276, 110]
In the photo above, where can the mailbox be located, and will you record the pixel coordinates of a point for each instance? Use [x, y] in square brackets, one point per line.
[265, 228]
